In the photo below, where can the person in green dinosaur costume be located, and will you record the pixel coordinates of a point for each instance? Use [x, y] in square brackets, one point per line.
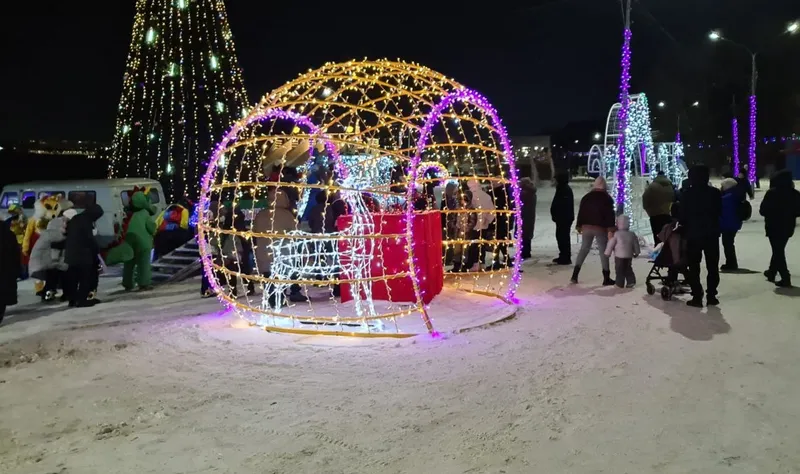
[136, 242]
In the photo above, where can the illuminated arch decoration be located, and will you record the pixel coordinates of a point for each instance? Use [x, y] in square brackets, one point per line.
[595, 163]
[639, 151]
[345, 118]
[438, 168]
[505, 157]
[670, 158]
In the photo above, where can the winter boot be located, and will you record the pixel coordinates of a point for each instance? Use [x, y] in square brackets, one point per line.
[695, 302]
[785, 282]
[712, 300]
[575, 272]
[607, 281]
[770, 275]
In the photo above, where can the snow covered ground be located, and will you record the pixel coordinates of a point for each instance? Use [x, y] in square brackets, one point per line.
[585, 379]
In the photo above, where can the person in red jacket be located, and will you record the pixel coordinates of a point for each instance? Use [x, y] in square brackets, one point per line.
[596, 222]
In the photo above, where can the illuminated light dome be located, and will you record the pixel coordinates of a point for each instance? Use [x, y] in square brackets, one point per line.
[378, 137]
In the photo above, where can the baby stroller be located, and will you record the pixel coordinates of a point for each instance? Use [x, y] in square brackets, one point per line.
[668, 263]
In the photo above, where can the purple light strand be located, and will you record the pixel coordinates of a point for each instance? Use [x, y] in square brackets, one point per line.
[735, 124]
[476, 99]
[625, 101]
[208, 179]
[751, 152]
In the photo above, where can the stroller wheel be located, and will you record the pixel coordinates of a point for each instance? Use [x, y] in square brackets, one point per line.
[666, 293]
[651, 290]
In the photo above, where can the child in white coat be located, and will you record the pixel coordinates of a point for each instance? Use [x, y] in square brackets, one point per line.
[625, 247]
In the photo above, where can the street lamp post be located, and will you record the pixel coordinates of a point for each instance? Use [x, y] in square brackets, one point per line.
[791, 28]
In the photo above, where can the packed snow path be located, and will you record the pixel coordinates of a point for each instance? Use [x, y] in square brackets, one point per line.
[584, 380]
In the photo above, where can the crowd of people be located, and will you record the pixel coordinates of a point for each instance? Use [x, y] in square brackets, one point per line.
[695, 217]
[65, 256]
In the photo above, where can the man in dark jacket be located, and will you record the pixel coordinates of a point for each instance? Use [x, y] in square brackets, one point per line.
[656, 201]
[700, 212]
[562, 211]
[596, 221]
[780, 208]
[80, 254]
[528, 198]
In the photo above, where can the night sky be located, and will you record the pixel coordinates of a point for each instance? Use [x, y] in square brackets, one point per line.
[542, 65]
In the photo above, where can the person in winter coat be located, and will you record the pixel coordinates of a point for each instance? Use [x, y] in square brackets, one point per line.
[501, 227]
[744, 188]
[47, 261]
[279, 219]
[780, 208]
[595, 223]
[246, 257]
[451, 201]
[206, 290]
[562, 211]
[656, 201]
[484, 207]
[10, 266]
[18, 224]
[528, 198]
[172, 229]
[316, 216]
[471, 233]
[625, 247]
[700, 212]
[80, 255]
[336, 208]
[730, 222]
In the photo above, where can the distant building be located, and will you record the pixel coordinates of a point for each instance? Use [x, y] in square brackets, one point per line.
[76, 148]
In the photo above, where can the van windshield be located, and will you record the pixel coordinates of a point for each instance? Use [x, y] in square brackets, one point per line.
[9, 198]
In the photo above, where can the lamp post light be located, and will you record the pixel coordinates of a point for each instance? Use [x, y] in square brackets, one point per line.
[715, 36]
[662, 104]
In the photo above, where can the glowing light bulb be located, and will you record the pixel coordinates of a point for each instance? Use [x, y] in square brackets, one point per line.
[126, 129]
[214, 63]
[220, 107]
[151, 36]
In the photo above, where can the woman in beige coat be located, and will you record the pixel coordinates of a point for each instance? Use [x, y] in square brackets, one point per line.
[279, 219]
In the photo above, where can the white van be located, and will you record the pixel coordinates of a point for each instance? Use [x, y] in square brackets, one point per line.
[110, 194]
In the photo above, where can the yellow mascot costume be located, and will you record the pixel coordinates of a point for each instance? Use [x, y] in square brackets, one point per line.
[45, 209]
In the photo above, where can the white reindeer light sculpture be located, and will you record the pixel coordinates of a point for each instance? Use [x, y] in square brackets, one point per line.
[320, 259]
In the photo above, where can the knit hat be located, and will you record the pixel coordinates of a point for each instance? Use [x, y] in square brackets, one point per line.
[728, 183]
[599, 183]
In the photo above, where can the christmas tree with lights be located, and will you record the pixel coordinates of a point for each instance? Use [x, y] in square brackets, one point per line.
[182, 90]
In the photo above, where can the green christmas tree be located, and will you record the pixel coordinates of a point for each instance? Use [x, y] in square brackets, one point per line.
[182, 90]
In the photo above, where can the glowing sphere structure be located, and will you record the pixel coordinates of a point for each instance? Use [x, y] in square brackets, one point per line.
[334, 170]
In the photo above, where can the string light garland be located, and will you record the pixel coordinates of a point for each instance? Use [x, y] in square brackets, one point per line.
[622, 188]
[368, 115]
[735, 124]
[751, 151]
[181, 91]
